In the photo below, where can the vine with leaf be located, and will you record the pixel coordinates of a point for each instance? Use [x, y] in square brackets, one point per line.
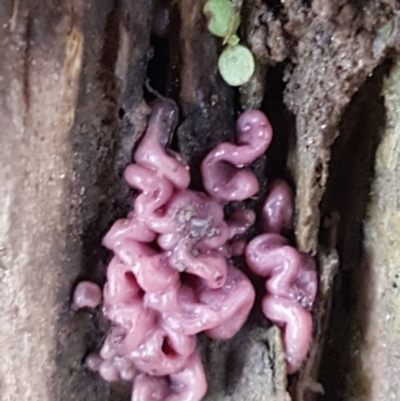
[236, 62]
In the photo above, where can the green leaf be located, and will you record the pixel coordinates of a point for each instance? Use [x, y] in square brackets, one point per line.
[221, 17]
[236, 65]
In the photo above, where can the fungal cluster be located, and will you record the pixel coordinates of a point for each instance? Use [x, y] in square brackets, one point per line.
[291, 284]
[171, 275]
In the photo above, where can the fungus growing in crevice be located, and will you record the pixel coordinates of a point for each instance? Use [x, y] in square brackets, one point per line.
[291, 276]
[171, 276]
[224, 175]
[86, 295]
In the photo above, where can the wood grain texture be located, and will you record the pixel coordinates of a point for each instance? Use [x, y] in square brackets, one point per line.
[40, 74]
[380, 306]
[63, 145]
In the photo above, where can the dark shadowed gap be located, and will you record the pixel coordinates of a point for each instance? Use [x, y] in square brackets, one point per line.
[157, 70]
[282, 122]
[350, 176]
[274, 164]
[162, 70]
[158, 66]
[274, 5]
[163, 67]
[172, 89]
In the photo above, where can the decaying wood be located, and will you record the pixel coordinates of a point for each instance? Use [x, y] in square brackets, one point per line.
[249, 367]
[376, 314]
[305, 386]
[338, 46]
[72, 108]
[347, 195]
[40, 75]
[206, 101]
[61, 146]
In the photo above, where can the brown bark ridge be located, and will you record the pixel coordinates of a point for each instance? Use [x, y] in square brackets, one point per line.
[378, 351]
[338, 44]
[40, 72]
[61, 151]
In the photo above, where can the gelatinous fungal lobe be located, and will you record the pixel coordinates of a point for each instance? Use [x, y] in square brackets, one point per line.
[171, 276]
[225, 176]
[189, 384]
[277, 213]
[86, 295]
[291, 276]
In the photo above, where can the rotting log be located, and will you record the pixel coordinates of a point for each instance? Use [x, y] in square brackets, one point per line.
[71, 106]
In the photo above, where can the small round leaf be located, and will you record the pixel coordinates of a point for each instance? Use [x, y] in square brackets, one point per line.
[220, 14]
[236, 65]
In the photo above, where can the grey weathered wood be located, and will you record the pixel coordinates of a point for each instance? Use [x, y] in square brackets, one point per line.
[61, 152]
[377, 279]
[42, 53]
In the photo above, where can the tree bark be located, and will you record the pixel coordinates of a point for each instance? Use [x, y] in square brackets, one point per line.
[72, 107]
[379, 353]
[63, 146]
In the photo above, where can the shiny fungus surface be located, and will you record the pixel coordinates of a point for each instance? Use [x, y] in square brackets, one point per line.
[291, 278]
[172, 276]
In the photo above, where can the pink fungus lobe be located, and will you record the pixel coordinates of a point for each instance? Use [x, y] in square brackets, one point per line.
[291, 276]
[171, 276]
[86, 295]
[188, 384]
[151, 152]
[224, 173]
[277, 213]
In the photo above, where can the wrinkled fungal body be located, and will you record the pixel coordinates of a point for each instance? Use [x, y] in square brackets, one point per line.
[171, 275]
[291, 278]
